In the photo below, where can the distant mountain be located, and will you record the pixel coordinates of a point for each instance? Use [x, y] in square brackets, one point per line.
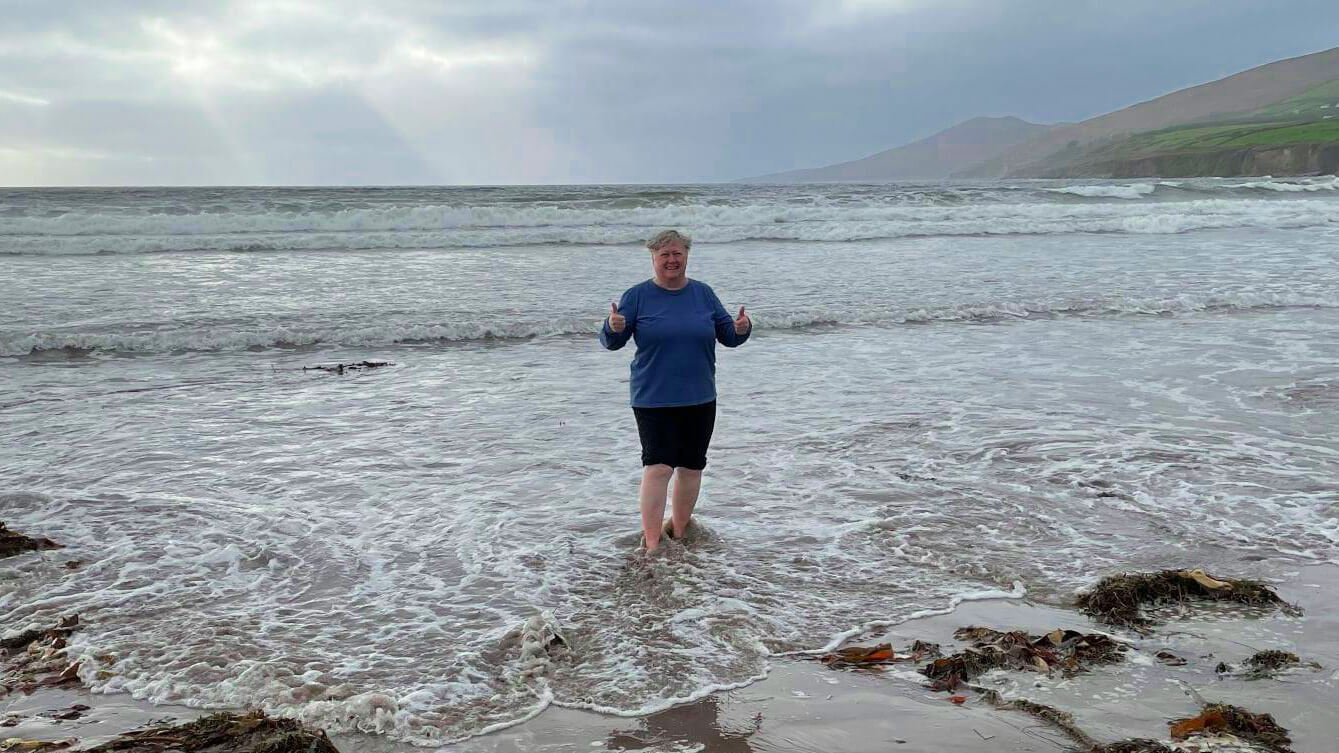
[1258, 96]
[960, 147]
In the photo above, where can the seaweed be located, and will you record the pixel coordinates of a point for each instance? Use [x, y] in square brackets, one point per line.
[882, 653]
[36, 659]
[1272, 659]
[1049, 714]
[224, 733]
[340, 368]
[1170, 659]
[1260, 729]
[13, 542]
[1116, 599]
[1064, 722]
[1068, 651]
[1264, 664]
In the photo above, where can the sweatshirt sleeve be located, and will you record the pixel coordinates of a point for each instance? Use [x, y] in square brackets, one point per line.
[725, 324]
[627, 306]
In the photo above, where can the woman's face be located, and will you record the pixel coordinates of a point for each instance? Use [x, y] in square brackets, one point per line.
[670, 262]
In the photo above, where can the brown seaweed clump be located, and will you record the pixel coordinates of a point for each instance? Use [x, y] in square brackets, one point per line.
[1272, 659]
[1260, 729]
[13, 542]
[224, 733]
[1116, 599]
[883, 653]
[1266, 664]
[1068, 651]
[36, 659]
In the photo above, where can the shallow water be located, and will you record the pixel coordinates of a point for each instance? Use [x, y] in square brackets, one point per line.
[917, 419]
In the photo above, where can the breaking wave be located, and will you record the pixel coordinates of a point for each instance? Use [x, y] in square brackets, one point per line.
[405, 331]
[1130, 191]
[482, 227]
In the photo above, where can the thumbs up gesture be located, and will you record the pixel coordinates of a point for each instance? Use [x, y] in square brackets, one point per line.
[742, 322]
[616, 321]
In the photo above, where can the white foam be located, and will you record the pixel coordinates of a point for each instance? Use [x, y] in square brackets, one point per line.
[1120, 191]
[1018, 591]
[1329, 183]
[665, 703]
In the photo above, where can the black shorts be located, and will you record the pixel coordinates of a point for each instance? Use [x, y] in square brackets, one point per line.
[678, 436]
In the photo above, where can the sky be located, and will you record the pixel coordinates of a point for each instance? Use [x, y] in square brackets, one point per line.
[399, 92]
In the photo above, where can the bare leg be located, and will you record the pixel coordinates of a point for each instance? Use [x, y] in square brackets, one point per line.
[687, 484]
[655, 480]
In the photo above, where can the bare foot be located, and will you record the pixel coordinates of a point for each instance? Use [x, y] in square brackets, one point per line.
[674, 533]
[650, 549]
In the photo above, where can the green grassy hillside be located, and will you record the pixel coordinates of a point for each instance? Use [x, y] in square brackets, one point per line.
[1315, 103]
[1298, 134]
[1216, 137]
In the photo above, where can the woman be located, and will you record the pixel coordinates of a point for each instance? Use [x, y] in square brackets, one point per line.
[676, 323]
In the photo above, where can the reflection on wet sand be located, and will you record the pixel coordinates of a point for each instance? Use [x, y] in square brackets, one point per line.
[693, 724]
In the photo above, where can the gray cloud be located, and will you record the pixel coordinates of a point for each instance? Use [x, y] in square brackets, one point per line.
[410, 91]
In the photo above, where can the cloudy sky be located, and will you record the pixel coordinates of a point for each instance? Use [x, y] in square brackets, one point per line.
[162, 92]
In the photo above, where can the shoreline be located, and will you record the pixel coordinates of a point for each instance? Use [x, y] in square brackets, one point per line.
[803, 705]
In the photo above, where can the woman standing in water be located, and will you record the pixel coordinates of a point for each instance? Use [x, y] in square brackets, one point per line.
[676, 323]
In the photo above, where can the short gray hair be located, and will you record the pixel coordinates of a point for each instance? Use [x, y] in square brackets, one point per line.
[665, 237]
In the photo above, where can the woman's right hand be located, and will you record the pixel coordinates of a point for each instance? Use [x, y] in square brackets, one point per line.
[616, 321]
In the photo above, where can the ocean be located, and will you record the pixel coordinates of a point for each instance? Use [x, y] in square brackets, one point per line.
[953, 391]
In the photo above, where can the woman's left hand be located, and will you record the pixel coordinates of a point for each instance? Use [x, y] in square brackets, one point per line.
[742, 322]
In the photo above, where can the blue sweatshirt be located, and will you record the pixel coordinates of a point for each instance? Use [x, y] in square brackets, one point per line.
[676, 333]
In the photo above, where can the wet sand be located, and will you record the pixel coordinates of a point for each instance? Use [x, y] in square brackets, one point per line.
[805, 706]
